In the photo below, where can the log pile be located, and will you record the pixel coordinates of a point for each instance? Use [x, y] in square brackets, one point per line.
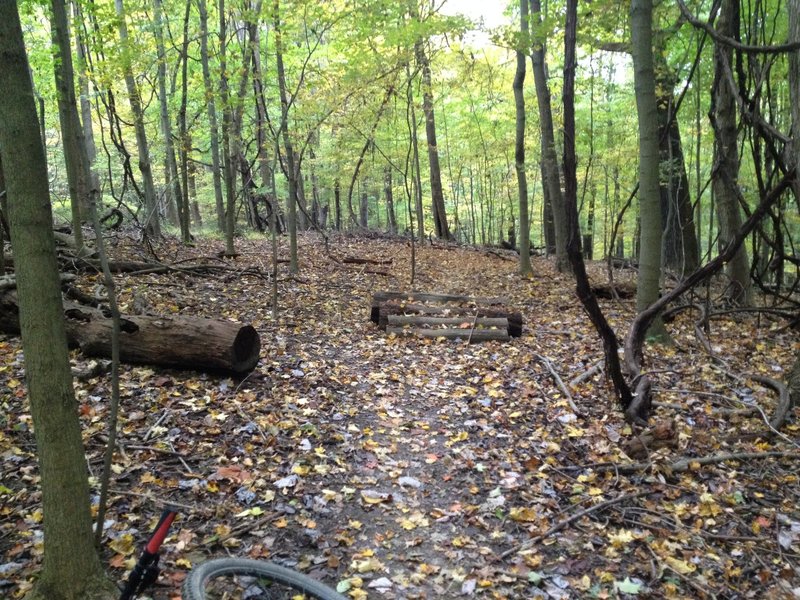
[471, 318]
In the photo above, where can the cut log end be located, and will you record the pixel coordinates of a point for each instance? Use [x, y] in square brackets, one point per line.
[246, 348]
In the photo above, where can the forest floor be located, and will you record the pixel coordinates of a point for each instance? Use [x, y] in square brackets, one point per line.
[416, 468]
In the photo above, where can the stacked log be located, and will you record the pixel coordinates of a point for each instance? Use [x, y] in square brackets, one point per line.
[472, 318]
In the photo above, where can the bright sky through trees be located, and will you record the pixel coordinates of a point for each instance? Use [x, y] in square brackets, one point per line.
[491, 11]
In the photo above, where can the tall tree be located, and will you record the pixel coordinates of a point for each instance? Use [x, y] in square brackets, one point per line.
[211, 105]
[648, 286]
[85, 101]
[75, 156]
[289, 152]
[437, 194]
[152, 222]
[582, 285]
[519, 146]
[228, 158]
[550, 170]
[726, 154]
[71, 568]
[680, 252]
[794, 90]
[185, 143]
[173, 190]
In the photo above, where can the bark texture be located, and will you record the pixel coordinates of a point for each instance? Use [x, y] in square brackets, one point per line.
[525, 268]
[151, 218]
[726, 156]
[75, 156]
[649, 192]
[71, 568]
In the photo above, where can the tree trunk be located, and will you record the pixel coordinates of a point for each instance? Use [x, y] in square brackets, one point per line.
[437, 195]
[302, 218]
[582, 286]
[291, 173]
[71, 568]
[227, 157]
[794, 91]
[411, 117]
[212, 116]
[85, 102]
[363, 207]
[152, 223]
[3, 216]
[391, 217]
[75, 157]
[525, 268]
[337, 203]
[197, 218]
[680, 251]
[649, 193]
[183, 135]
[173, 193]
[550, 173]
[726, 155]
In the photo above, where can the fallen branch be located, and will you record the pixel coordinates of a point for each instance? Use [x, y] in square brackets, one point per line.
[562, 524]
[352, 260]
[684, 464]
[564, 390]
[587, 374]
[784, 401]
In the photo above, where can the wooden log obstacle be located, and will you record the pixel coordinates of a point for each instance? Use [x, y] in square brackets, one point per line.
[472, 318]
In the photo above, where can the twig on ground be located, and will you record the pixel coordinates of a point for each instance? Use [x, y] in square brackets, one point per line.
[562, 524]
[560, 384]
[684, 464]
[588, 374]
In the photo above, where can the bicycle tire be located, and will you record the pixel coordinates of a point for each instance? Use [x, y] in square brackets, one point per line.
[195, 583]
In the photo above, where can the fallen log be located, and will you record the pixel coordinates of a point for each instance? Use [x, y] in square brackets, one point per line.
[178, 341]
[381, 297]
[472, 335]
[457, 322]
[381, 316]
[354, 260]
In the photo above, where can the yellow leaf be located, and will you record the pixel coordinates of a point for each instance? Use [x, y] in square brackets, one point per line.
[621, 538]
[523, 514]
[254, 512]
[366, 566]
[680, 566]
[124, 544]
[375, 497]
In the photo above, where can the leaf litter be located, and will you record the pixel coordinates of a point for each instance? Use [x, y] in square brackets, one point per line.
[415, 468]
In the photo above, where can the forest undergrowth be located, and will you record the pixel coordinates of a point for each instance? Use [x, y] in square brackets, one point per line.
[415, 468]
